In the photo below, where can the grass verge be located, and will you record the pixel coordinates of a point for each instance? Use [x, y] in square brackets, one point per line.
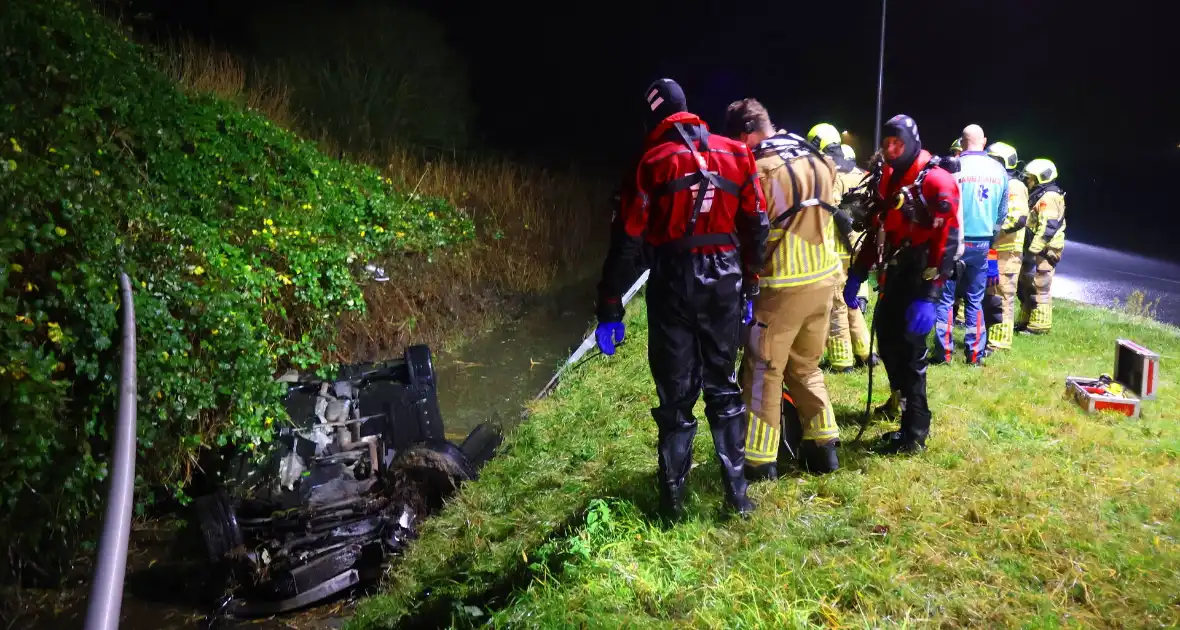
[1024, 512]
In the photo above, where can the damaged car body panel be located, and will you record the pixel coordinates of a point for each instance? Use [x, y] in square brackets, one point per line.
[343, 488]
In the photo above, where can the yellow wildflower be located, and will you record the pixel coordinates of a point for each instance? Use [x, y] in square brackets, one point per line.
[198, 270]
[15, 145]
[60, 231]
[55, 334]
[400, 234]
[268, 222]
[24, 319]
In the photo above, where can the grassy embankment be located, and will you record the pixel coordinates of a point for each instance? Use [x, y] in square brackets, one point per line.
[246, 247]
[1024, 512]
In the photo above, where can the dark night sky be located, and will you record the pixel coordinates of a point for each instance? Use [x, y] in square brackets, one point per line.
[1095, 90]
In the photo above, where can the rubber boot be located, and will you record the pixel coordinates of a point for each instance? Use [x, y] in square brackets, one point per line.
[762, 472]
[896, 443]
[819, 459]
[729, 437]
[677, 428]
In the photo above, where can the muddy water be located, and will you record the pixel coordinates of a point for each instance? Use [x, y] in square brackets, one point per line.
[487, 380]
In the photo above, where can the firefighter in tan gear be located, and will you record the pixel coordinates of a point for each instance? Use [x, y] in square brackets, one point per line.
[1009, 247]
[848, 335]
[1043, 244]
[793, 307]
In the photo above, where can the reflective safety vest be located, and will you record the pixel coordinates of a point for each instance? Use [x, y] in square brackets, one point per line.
[807, 228]
[1011, 237]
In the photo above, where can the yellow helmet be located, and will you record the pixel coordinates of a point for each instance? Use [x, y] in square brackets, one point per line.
[957, 146]
[1041, 170]
[849, 154]
[1005, 153]
[822, 135]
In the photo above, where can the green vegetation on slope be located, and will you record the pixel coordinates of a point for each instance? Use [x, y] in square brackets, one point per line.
[244, 244]
[1024, 512]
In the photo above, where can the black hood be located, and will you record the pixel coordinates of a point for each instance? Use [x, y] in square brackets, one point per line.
[903, 127]
[664, 97]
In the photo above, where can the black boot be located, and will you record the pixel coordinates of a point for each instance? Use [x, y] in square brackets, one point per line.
[729, 437]
[677, 429]
[897, 443]
[762, 472]
[671, 501]
[819, 459]
[872, 361]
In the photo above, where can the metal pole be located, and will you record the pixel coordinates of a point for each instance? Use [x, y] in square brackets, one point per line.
[880, 79]
[106, 591]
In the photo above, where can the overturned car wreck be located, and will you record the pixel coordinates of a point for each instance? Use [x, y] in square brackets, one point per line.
[340, 491]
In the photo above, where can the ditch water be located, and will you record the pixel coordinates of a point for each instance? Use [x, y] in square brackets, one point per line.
[488, 379]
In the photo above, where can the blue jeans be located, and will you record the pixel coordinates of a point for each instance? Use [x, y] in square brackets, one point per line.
[975, 285]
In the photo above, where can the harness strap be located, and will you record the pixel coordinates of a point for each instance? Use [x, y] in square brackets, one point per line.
[705, 178]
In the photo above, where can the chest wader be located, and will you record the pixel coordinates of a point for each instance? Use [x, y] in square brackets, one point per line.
[694, 304]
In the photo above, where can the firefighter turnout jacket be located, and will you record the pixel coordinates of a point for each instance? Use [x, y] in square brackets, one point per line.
[1046, 225]
[806, 228]
[1011, 236]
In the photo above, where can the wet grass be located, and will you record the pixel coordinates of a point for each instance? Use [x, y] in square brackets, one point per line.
[1025, 512]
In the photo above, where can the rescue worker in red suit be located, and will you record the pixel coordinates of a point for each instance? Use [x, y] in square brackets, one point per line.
[915, 240]
[696, 201]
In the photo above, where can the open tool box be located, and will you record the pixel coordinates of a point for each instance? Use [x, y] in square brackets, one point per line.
[1136, 378]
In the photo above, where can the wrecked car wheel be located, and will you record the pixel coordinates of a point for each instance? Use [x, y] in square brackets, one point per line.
[218, 524]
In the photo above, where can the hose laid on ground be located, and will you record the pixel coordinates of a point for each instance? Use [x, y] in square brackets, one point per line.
[589, 342]
[106, 590]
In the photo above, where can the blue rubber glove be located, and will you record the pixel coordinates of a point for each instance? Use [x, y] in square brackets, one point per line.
[919, 317]
[607, 335]
[748, 312]
[852, 289]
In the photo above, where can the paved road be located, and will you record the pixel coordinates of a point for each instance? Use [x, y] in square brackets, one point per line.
[1099, 275]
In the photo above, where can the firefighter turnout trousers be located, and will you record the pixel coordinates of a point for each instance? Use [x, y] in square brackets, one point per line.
[999, 336]
[1036, 301]
[786, 344]
[848, 339]
[694, 306]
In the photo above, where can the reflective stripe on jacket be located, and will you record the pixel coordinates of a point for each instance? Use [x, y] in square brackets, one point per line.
[1011, 237]
[802, 248]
